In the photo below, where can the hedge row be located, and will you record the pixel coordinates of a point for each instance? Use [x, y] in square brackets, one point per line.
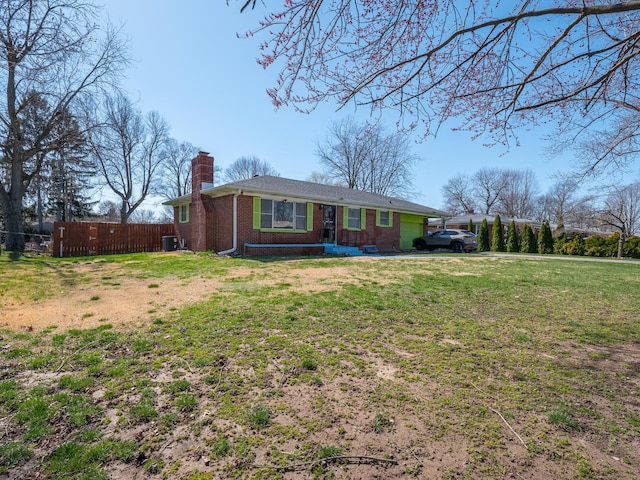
[545, 243]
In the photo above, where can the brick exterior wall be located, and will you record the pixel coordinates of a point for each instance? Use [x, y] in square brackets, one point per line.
[387, 239]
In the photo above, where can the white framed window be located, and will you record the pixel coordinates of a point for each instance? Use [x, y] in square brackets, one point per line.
[282, 215]
[354, 219]
[384, 218]
[183, 213]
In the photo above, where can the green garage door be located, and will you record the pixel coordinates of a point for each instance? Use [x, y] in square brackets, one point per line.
[411, 226]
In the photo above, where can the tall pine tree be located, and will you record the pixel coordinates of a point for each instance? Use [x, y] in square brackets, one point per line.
[545, 239]
[559, 237]
[497, 236]
[483, 237]
[513, 245]
[528, 242]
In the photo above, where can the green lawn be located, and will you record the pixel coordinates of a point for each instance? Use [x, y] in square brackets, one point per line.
[471, 367]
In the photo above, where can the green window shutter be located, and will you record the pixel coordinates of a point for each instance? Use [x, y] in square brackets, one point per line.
[256, 213]
[377, 218]
[309, 217]
[345, 217]
[390, 218]
[363, 219]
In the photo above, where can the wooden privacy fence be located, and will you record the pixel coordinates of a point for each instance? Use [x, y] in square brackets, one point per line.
[77, 239]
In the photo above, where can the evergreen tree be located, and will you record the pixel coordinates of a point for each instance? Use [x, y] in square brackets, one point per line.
[559, 237]
[70, 174]
[528, 242]
[497, 236]
[483, 237]
[512, 238]
[58, 189]
[545, 239]
[470, 226]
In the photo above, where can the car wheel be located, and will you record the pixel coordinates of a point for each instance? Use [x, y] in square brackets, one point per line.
[457, 247]
[420, 244]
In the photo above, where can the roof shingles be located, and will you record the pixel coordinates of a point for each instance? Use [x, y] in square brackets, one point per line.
[270, 185]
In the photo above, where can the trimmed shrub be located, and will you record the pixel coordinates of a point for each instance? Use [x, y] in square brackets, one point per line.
[497, 236]
[470, 226]
[596, 246]
[559, 237]
[632, 247]
[528, 243]
[483, 236]
[558, 245]
[545, 239]
[576, 245]
[612, 244]
[512, 238]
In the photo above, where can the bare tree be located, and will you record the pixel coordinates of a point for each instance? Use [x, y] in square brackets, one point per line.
[458, 195]
[518, 198]
[109, 211]
[602, 147]
[562, 194]
[143, 215]
[248, 167]
[323, 178]
[129, 149]
[54, 50]
[177, 168]
[621, 210]
[489, 185]
[582, 213]
[364, 157]
[563, 202]
[495, 65]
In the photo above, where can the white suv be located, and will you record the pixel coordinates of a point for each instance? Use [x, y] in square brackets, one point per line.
[456, 240]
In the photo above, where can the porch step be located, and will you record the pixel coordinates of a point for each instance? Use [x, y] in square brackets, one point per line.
[331, 249]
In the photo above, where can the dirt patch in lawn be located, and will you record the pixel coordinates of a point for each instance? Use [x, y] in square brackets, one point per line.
[112, 294]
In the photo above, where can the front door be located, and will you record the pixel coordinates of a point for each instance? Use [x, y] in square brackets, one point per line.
[329, 224]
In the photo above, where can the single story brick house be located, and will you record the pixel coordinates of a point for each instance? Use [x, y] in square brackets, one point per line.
[268, 215]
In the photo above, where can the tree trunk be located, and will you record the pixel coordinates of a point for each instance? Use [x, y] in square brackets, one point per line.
[11, 202]
[124, 214]
[39, 205]
[14, 226]
[621, 244]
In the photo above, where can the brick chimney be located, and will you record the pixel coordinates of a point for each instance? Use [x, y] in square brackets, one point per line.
[201, 179]
[201, 173]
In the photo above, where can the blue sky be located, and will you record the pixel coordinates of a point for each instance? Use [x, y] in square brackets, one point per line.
[190, 66]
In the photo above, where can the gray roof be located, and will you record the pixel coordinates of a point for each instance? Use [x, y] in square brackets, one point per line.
[477, 218]
[292, 190]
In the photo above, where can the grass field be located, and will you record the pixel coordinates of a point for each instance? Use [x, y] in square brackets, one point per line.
[435, 367]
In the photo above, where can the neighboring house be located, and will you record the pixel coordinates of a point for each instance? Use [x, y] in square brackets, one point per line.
[462, 222]
[268, 215]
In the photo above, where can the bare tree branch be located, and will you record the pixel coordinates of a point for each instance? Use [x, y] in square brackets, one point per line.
[495, 66]
[364, 157]
[129, 149]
